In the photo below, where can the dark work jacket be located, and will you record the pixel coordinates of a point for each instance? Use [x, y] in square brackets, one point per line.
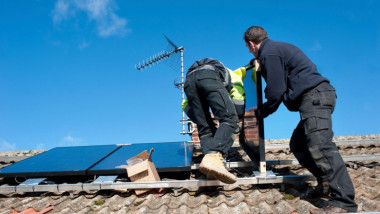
[288, 73]
[220, 69]
[225, 76]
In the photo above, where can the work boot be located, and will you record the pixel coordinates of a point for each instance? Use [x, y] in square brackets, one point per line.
[212, 165]
[321, 190]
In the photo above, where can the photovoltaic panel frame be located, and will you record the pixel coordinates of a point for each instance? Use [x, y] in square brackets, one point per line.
[100, 160]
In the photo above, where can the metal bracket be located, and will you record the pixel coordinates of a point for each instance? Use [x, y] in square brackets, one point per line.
[32, 181]
[105, 179]
[28, 185]
[265, 175]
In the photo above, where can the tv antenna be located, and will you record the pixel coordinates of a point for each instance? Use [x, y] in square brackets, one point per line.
[165, 55]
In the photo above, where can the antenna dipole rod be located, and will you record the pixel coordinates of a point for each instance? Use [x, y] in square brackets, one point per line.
[158, 58]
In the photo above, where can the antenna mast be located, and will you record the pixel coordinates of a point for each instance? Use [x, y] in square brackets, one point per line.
[163, 55]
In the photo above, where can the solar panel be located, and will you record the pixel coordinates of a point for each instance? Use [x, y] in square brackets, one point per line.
[59, 161]
[100, 160]
[167, 157]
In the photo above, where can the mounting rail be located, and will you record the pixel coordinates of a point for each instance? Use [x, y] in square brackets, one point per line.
[150, 185]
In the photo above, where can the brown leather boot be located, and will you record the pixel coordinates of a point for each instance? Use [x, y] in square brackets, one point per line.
[212, 165]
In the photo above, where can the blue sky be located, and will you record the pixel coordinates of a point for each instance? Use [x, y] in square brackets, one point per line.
[68, 77]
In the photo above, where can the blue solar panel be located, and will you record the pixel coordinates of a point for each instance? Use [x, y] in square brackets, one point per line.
[100, 160]
[59, 161]
[167, 157]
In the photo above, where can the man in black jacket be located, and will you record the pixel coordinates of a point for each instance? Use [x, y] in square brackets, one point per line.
[292, 78]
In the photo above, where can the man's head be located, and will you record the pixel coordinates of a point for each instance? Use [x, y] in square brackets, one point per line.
[253, 38]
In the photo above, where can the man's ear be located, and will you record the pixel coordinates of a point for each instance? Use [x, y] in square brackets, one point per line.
[251, 44]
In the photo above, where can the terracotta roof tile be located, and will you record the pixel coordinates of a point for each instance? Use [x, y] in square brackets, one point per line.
[284, 207]
[264, 208]
[117, 202]
[185, 209]
[365, 204]
[228, 199]
[255, 198]
[223, 208]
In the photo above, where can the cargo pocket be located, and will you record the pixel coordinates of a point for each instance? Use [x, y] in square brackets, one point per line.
[228, 103]
[327, 97]
[315, 121]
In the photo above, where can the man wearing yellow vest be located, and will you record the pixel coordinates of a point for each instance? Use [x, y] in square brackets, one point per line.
[209, 84]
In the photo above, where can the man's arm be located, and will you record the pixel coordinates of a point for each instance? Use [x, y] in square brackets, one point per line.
[275, 77]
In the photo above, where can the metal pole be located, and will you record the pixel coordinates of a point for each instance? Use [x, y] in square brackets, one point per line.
[260, 123]
[183, 90]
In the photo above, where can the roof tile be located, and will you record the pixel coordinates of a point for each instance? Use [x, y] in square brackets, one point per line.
[176, 202]
[284, 208]
[194, 202]
[273, 197]
[254, 198]
[216, 201]
[371, 192]
[368, 205]
[304, 206]
[116, 202]
[235, 199]
[185, 209]
[227, 199]
[156, 202]
[225, 209]
[22, 204]
[264, 208]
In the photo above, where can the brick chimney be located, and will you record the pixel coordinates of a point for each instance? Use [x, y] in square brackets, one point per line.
[251, 130]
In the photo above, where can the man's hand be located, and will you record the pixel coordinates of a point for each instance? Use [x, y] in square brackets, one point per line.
[256, 111]
[258, 114]
[252, 62]
[256, 64]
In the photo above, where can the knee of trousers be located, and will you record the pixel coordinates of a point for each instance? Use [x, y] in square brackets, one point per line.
[321, 156]
[232, 125]
[205, 141]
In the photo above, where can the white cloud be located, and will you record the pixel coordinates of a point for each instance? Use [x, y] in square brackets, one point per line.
[116, 28]
[40, 146]
[83, 45]
[69, 140]
[316, 47]
[99, 11]
[6, 146]
[60, 11]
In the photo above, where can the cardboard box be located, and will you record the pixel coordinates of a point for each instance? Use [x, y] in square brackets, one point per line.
[142, 171]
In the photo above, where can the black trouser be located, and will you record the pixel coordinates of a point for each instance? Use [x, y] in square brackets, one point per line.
[204, 90]
[312, 145]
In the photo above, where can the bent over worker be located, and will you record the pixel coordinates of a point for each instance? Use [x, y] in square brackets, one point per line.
[208, 85]
[292, 78]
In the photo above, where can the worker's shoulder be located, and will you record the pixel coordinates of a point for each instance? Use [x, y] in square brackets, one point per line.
[279, 48]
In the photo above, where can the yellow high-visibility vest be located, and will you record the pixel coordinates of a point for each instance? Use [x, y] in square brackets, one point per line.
[237, 91]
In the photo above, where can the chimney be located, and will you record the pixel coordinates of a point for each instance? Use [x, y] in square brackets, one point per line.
[251, 130]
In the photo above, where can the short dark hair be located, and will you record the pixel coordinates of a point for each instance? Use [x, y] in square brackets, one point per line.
[255, 34]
